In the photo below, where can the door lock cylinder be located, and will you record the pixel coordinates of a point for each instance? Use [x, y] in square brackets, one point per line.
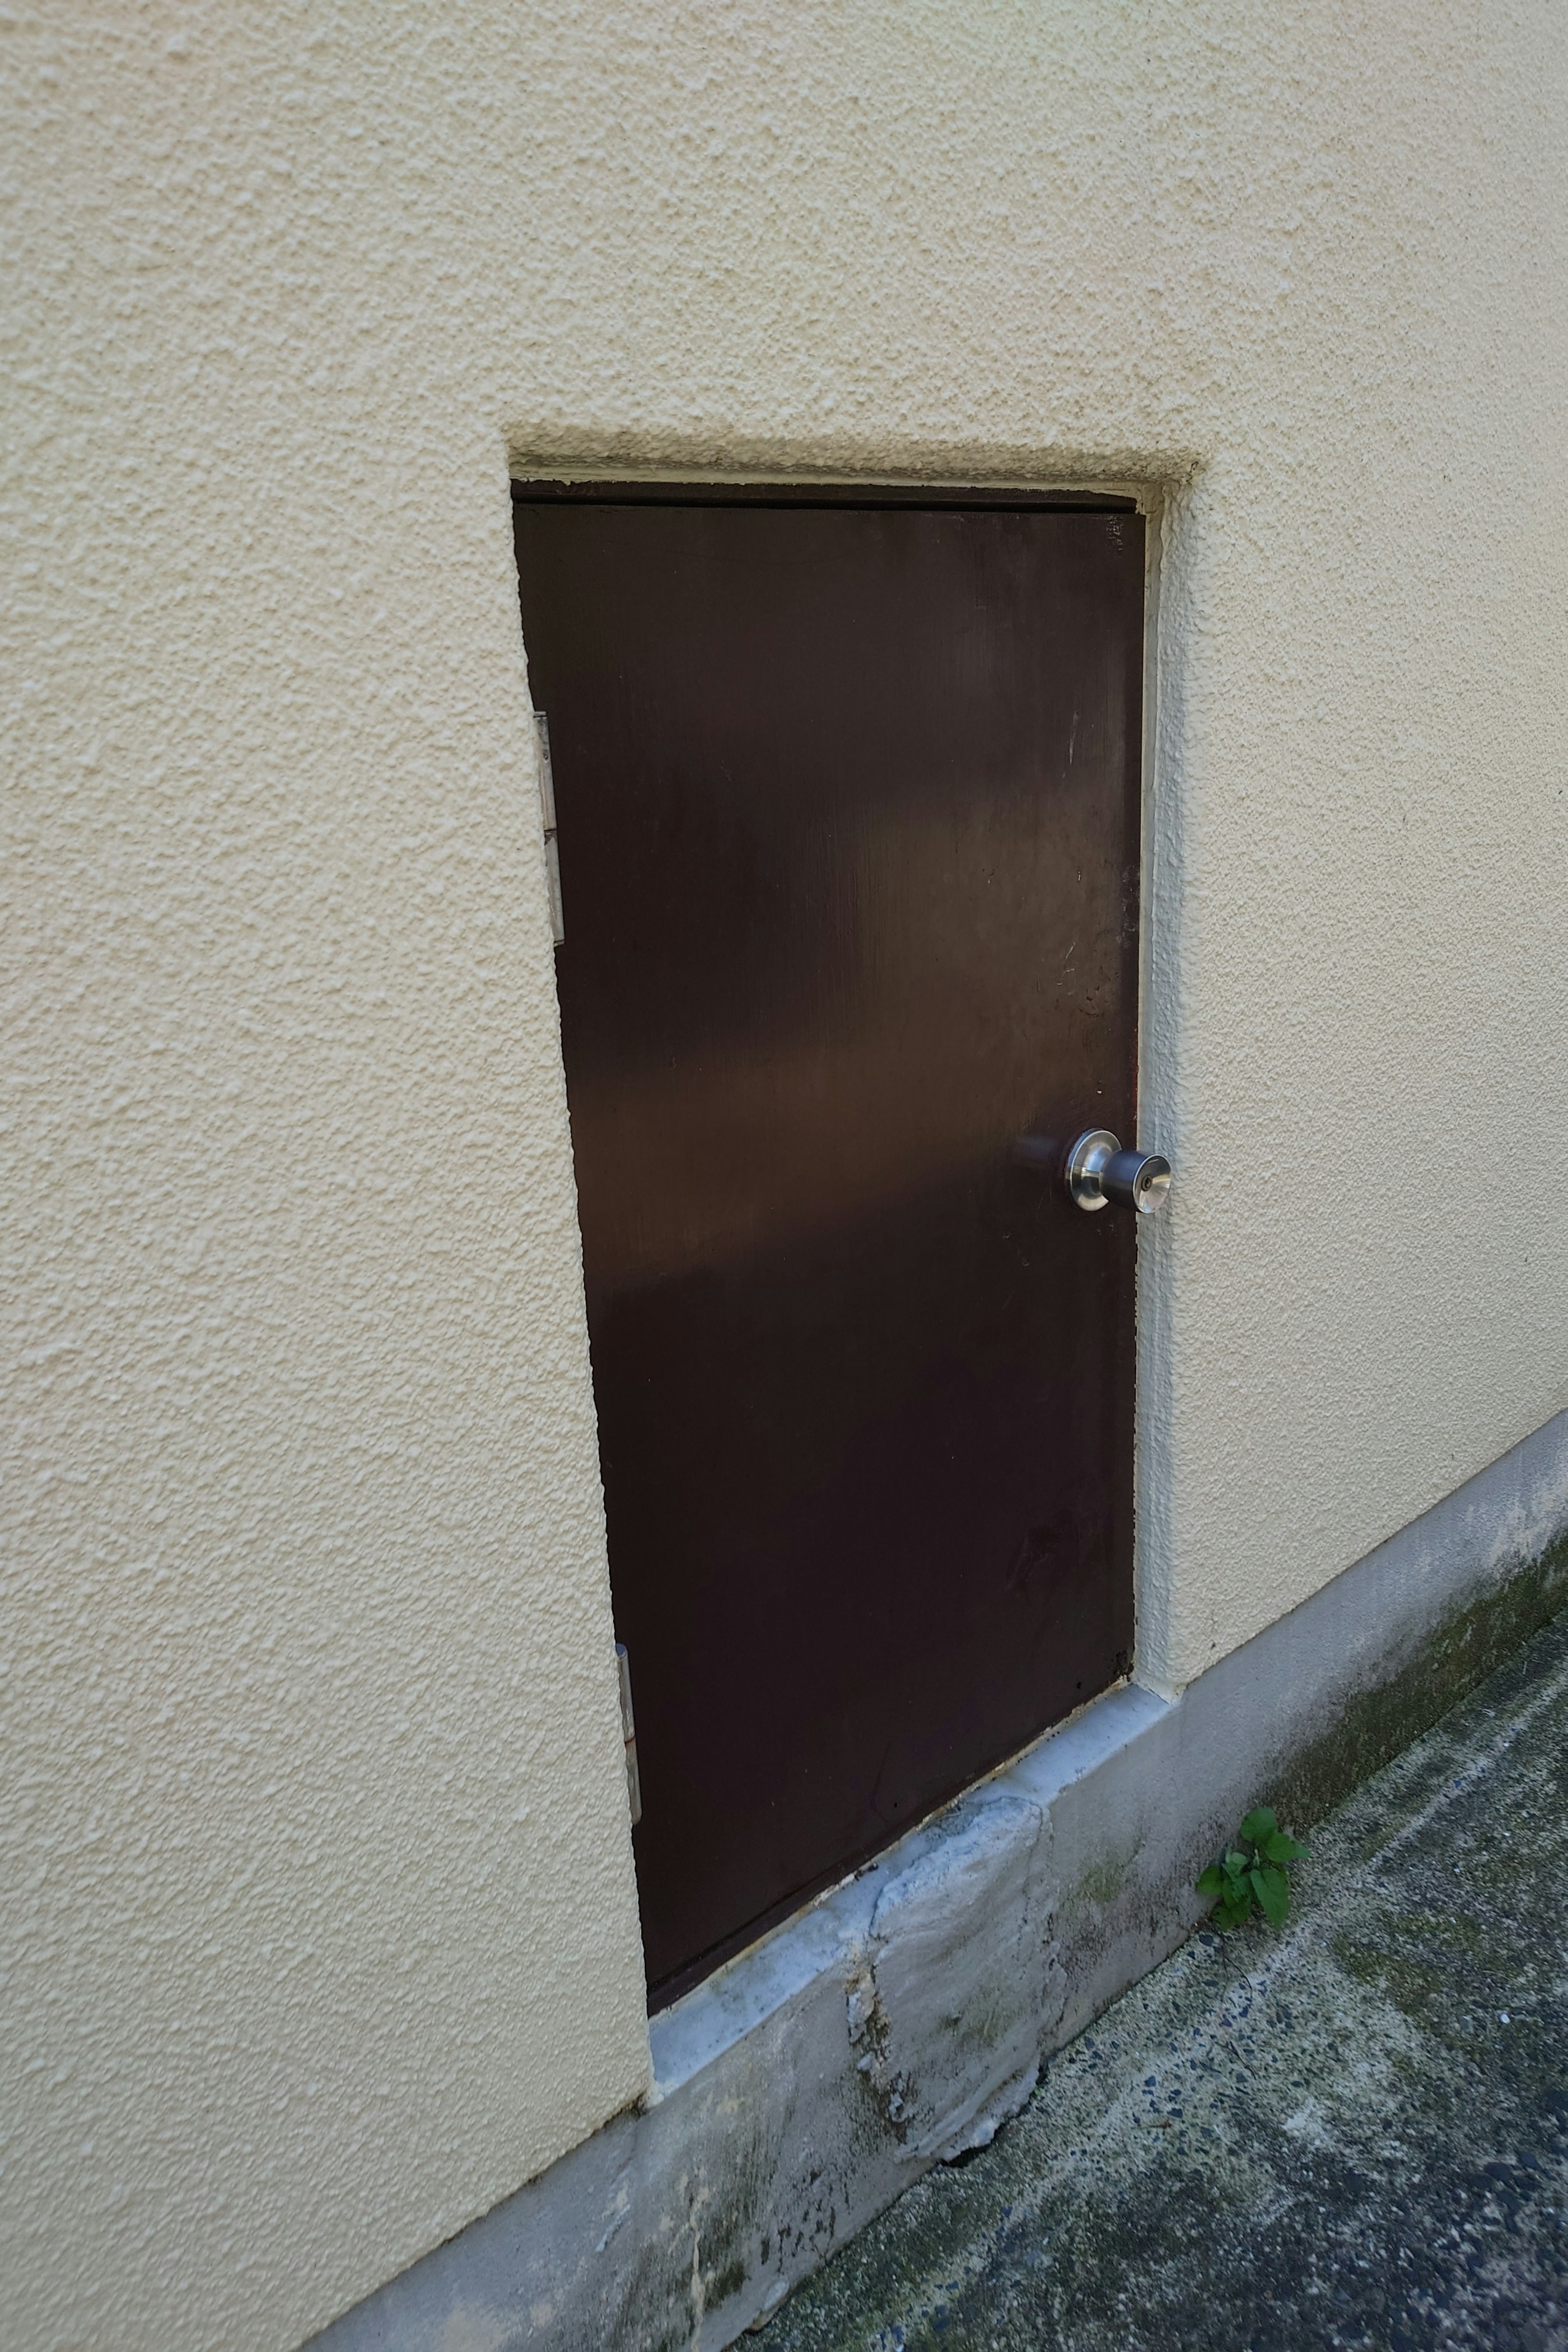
[1098, 1172]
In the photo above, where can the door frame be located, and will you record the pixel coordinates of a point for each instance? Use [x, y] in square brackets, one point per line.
[1160, 866]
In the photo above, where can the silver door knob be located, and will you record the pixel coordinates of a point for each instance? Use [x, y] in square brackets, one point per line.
[1098, 1172]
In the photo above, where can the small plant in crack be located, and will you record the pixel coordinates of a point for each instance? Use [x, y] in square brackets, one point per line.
[1253, 1871]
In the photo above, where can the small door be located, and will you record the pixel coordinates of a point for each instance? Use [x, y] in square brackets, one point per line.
[848, 806]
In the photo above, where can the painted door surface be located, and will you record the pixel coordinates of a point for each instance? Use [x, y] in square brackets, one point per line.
[848, 799]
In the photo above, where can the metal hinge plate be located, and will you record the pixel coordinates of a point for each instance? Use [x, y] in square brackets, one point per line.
[629, 1734]
[547, 810]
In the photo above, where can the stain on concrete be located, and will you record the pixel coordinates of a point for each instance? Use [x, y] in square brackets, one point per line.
[1352, 2134]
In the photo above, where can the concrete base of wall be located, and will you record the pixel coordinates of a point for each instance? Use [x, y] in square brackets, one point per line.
[899, 2019]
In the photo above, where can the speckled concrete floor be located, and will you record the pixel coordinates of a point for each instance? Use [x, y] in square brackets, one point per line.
[1350, 2134]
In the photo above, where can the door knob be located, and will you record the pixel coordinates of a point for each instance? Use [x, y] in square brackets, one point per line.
[1098, 1172]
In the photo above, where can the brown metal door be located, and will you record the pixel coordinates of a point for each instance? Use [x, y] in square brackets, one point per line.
[847, 797]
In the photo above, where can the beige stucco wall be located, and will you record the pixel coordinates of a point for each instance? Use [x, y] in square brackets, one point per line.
[319, 1915]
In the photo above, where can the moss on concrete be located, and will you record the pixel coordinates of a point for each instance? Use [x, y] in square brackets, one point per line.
[1377, 1724]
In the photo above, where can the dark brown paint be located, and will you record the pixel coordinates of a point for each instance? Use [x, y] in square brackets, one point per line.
[848, 801]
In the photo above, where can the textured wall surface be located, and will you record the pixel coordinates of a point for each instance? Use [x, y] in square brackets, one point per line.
[319, 1915]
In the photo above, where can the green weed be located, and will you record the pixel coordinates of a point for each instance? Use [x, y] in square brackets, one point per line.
[1253, 1871]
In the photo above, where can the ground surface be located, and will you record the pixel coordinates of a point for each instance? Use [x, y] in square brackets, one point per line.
[1350, 2134]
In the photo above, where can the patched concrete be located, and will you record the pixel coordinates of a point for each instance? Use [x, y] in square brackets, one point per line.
[936, 1981]
[1352, 2133]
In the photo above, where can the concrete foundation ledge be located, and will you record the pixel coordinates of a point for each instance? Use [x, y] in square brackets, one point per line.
[899, 2018]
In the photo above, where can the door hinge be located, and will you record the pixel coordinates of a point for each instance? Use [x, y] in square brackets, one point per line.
[629, 1734]
[547, 809]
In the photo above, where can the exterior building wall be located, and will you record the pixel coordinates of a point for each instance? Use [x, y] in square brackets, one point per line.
[321, 1916]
